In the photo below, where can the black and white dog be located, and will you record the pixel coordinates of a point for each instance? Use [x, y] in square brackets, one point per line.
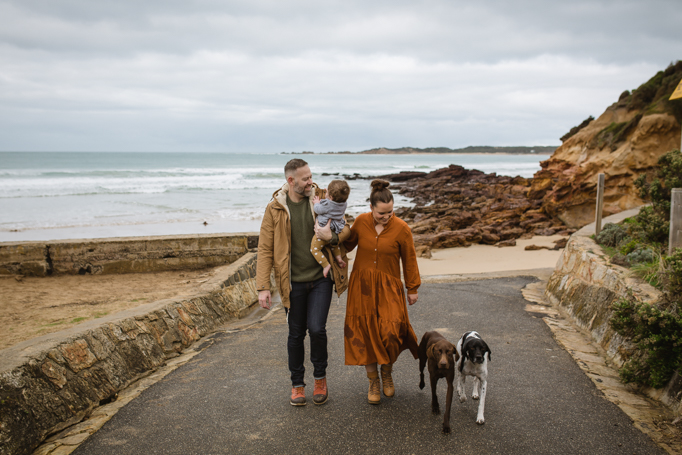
[472, 361]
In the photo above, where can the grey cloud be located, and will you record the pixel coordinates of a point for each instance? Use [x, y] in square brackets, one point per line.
[214, 75]
[433, 30]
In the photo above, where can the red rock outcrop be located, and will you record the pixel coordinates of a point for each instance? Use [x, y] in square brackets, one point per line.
[623, 143]
[456, 207]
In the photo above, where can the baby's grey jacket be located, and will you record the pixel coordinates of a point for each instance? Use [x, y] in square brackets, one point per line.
[328, 210]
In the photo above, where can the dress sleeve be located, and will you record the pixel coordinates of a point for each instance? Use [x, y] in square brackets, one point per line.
[409, 257]
[352, 241]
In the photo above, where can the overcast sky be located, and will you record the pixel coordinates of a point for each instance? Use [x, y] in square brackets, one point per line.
[281, 75]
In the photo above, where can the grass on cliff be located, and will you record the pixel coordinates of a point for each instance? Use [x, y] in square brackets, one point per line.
[641, 243]
[652, 96]
[649, 98]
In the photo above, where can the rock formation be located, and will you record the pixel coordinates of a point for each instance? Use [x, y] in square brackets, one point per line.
[624, 142]
[457, 207]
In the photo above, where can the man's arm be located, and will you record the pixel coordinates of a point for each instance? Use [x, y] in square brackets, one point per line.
[326, 234]
[266, 243]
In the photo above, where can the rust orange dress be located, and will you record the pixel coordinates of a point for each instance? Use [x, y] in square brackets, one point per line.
[377, 328]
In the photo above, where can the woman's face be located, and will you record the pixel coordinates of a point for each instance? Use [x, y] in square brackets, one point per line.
[382, 212]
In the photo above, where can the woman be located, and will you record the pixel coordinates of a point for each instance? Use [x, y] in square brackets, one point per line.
[377, 328]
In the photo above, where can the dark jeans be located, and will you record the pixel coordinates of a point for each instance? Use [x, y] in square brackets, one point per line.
[308, 310]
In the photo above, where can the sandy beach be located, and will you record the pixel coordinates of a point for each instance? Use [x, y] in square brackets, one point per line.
[485, 258]
[37, 306]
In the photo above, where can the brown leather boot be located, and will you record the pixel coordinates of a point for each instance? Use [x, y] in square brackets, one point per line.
[297, 396]
[320, 393]
[387, 380]
[374, 394]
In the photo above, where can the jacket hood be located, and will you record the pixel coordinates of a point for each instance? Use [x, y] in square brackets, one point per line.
[280, 196]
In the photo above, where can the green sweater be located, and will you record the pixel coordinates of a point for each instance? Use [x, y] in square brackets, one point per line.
[304, 267]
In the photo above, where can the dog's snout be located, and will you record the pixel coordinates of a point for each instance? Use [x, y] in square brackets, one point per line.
[443, 361]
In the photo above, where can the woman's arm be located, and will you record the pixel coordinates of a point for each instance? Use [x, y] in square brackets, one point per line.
[352, 241]
[408, 255]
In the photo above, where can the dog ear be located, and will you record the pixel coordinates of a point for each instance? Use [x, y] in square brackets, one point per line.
[487, 349]
[429, 351]
[464, 357]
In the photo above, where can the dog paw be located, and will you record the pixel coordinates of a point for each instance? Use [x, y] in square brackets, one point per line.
[421, 384]
[474, 397]
[462, 398]
[446, 429]
[435, 409]
[480, 421]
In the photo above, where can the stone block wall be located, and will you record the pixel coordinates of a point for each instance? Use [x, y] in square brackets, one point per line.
[584, 285]
[123, 255]
[52, 382]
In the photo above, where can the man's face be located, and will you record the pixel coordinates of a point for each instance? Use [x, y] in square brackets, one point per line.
[302, 181]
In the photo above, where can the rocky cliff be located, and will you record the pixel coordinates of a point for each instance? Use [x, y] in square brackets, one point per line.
[624, 142]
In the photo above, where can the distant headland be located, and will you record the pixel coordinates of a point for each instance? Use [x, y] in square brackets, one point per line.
[516, 150]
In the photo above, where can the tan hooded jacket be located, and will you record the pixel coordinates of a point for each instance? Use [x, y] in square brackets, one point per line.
[274, 249]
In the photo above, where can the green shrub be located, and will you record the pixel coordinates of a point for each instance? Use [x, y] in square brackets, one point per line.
[657, 333]
[674, 274]
[611, 235]
[627, 247]
[642, 255]
[652, 226]
[653, 222]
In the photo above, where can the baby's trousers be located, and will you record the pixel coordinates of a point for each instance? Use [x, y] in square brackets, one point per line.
[316, 246]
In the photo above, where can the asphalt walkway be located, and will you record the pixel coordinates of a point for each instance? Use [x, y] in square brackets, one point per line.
[233, 396]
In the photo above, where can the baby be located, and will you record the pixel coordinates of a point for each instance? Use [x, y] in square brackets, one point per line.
[331, 210]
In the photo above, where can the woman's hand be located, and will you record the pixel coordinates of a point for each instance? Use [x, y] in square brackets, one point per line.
[412, 298]
[323, 233]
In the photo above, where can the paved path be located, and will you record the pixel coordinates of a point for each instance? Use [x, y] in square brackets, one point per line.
[233, 397]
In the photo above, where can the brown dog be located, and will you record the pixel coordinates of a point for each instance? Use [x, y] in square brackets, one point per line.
[441, 356]
[320, 192]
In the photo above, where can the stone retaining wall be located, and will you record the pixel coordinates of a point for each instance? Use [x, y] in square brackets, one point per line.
[123, 255]
[584, 286]
[52, 382]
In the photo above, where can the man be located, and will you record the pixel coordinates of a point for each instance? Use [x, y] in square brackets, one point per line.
[284, 244]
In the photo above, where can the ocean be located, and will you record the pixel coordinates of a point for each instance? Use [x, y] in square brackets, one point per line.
[62, 195]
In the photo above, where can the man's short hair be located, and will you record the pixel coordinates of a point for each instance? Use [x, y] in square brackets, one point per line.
[291, 167]
[338, 190]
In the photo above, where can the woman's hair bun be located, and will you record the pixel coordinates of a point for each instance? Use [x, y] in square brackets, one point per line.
[378, 184]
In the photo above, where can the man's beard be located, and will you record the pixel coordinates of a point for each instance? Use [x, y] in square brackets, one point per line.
[302, 190]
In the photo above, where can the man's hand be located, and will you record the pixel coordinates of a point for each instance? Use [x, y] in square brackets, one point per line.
[323, 233]
[412, 298]
[265, 299]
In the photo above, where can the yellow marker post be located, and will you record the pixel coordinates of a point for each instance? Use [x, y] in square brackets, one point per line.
[677, 93]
